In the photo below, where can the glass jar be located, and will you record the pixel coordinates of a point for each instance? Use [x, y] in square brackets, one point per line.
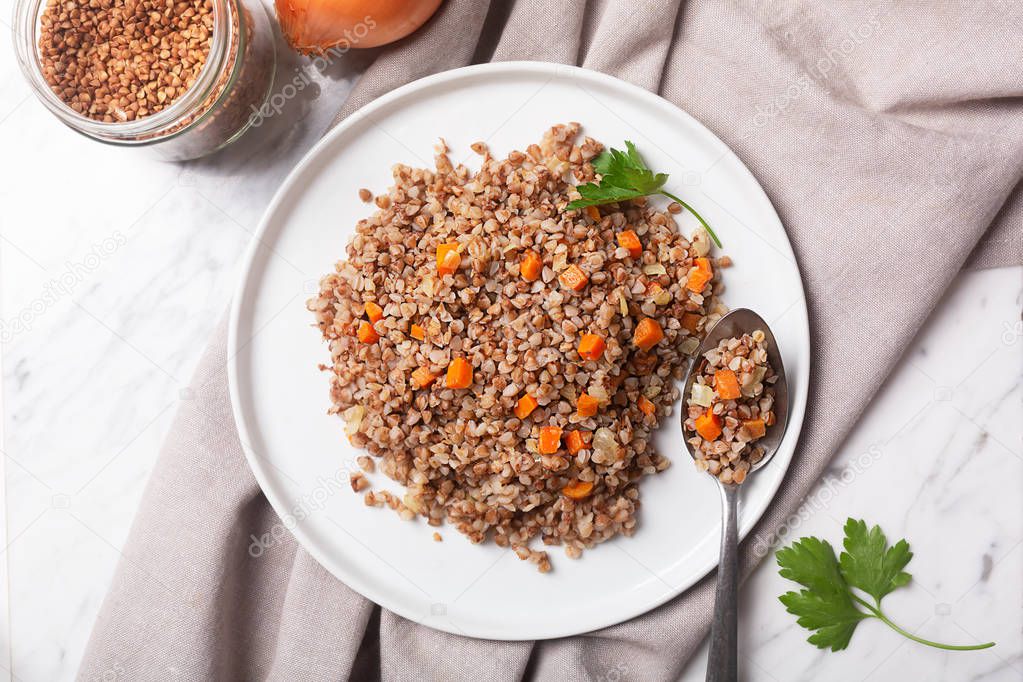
[234, 82]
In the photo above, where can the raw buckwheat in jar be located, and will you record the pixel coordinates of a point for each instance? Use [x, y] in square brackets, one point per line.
[178, 77]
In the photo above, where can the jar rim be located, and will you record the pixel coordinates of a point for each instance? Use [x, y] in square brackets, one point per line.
[147, 129]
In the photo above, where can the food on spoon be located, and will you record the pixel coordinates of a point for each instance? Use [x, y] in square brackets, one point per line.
[731, 406]
[513, 393]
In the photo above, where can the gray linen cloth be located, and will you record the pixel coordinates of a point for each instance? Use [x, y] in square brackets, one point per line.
[889, 135]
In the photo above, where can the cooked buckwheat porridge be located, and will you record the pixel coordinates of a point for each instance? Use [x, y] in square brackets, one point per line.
[731, 406]
[506, 359]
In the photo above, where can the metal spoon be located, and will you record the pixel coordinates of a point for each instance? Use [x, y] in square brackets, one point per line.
[722, 664]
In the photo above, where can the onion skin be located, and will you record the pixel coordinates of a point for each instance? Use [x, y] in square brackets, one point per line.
[313, 27]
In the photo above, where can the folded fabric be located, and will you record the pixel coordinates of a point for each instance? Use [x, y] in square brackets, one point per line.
[889, 136]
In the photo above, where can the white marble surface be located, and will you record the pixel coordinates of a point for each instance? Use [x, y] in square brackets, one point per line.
[122, 266]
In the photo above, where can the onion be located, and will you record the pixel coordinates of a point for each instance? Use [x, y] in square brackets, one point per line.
[353, 419]
[702, 395]
[689, 345]
[315, 26]
[605, 446]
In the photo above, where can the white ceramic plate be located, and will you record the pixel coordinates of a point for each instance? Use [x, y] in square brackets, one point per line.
[300, 455]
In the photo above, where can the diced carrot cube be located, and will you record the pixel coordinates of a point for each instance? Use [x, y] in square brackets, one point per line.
[459, 374]
[578, 440]
[648, 334]
[417, 332]
[367, 334]
[525, 406]
[373, 311]
[550, 440]
[708, 425]
[701, 273]
[756, 427]
[646, 407]
[630, 240]
[578, 490]
[530, 266]
[591, 347]
[573, 278]
[691, 321]
[594, 213]
[587, 405]
[448, 258]
[726, 384]
[423, 377]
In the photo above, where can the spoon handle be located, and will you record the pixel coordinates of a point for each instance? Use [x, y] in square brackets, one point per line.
[721, 664]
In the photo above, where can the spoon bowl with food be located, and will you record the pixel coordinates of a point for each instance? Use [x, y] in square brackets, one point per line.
[734, 413]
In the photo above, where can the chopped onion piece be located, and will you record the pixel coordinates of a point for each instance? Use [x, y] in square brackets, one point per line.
[689, 345]
[600, 393]
[654, 269]
[701, 241]
[412, 502]
[702, 395]
[353, 419]
[662, 297]
[757, 375]
[623, 306]
[605, 445]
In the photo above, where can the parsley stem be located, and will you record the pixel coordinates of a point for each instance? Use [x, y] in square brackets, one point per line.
[698, 216]
[877, 613]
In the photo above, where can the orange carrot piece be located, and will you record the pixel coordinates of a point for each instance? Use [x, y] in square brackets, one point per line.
[578, 490]
[448, 258]
[756, 427]
[573, 278]
[525, 406]
[726, 384]
[591, 347]
[646, 407]
[708, 425]
[417, 332]
[373, 311]
[587, 405]
[578, 440]
[648, 333]
[630, 240]
[423, 377]
[701, 273]
[550, 440]
[367, 334]
[594, 213]
[459, 374]
[691, 321]
[530, 266]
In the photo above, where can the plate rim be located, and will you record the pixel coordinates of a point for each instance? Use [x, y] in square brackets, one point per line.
[245, 281]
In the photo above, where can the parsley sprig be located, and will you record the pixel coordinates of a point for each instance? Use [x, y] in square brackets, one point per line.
[829, 605]
[624, 176]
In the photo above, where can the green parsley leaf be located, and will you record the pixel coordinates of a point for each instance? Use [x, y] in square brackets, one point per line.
[826, 606]
[624, 176]
[869, 564]
[829, 605]
[834, 617]
[811, 562]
